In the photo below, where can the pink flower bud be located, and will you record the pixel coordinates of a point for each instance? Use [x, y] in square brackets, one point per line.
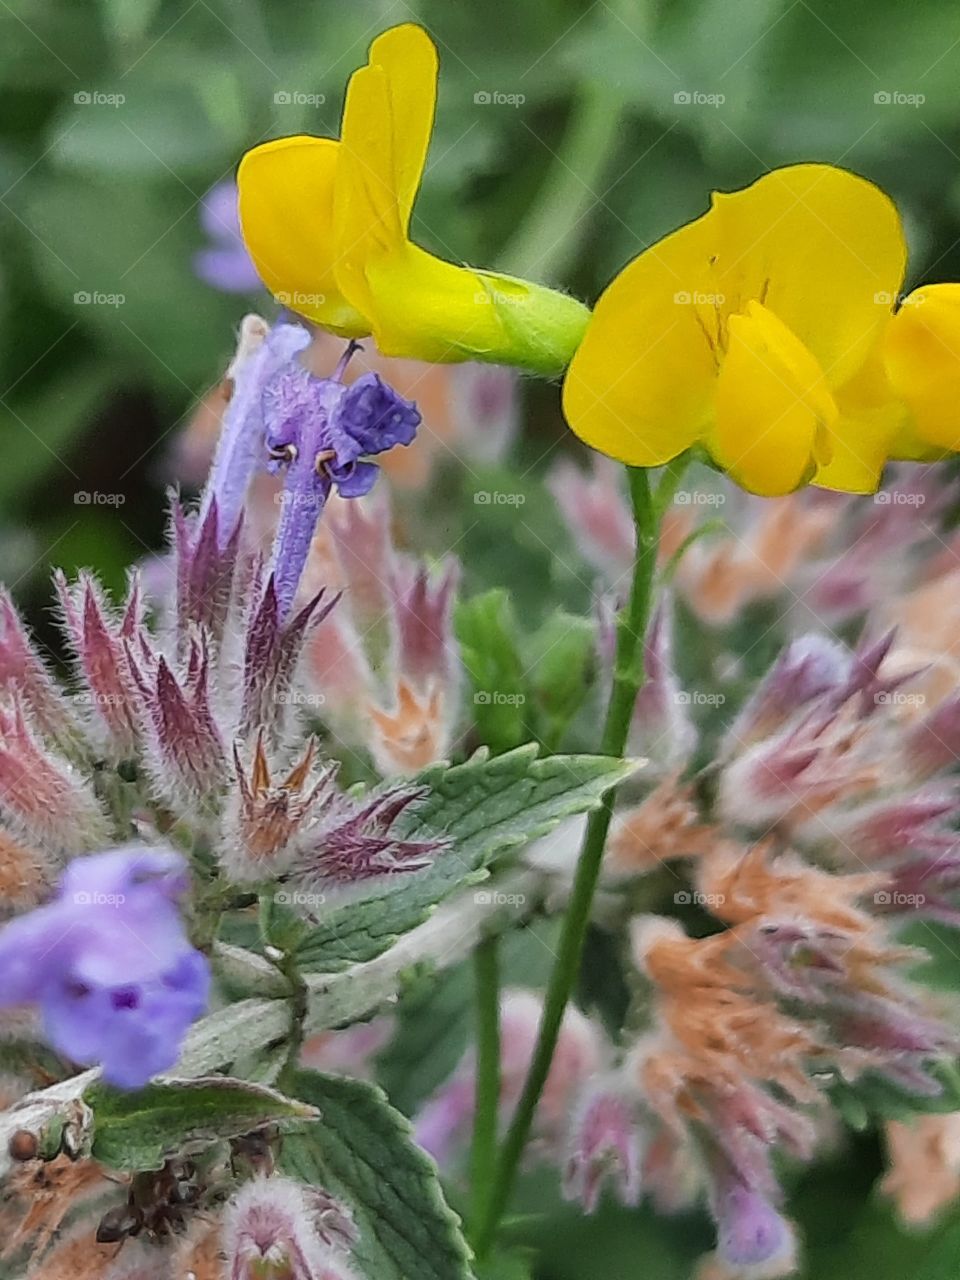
[605, 1141]
[272, 1231]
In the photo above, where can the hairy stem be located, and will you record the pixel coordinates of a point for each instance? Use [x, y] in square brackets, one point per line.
[628, 676]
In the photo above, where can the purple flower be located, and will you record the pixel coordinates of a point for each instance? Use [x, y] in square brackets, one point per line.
[750, 1231]
[318, 431]
[225, 264]
[110, 965]
[261, 352]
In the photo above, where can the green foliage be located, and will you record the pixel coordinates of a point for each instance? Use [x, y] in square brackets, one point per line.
[362, 1152]
[485, 808]
[140, 1129]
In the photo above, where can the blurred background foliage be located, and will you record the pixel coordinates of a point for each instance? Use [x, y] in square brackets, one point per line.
[631, 111]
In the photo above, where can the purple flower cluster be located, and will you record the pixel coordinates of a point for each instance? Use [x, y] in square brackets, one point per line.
[110, 965]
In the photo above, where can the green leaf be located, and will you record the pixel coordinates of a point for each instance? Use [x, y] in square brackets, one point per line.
[487, 631]
[141, 1129]
[485, 807]
[362, 1151]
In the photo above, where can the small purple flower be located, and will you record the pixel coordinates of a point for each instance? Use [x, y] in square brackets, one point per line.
[225, 264]
[110, 965]
[750, 1231]
[318, 431]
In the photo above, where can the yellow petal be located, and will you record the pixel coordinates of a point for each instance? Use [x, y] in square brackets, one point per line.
[286, 213]
[641, 384]
[821, 248]
[420, 306]
[870, 429]
[774, 410]
[387, 121]
[922, 357]
[409, 60]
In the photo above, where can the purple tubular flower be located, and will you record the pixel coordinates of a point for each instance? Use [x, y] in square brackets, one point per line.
[318, 430]
[261, 353]
[225, 264]
[110, 965]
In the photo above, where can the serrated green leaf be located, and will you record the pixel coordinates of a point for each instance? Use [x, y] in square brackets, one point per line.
[485, 808]
[141, 1129]
[362, 1151]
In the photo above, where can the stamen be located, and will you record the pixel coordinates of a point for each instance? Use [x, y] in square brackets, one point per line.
[352, 347]
[284, 453]
[322, 458]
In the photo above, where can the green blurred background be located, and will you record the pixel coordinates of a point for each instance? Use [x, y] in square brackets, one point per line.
[632, 110]
[630, 113]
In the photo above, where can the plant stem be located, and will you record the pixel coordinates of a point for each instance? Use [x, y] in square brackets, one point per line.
[483, 1158]
[628, 675]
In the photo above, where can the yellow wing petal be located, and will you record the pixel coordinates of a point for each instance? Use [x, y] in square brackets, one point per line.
[286, 214]
[774, 411]
[922, 358]
[641, 384]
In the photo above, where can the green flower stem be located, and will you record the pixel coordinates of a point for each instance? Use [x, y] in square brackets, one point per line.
[628, 675]
[483, 1157]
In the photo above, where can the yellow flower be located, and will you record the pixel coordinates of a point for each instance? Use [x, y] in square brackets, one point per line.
[327, 225]
[763, 332]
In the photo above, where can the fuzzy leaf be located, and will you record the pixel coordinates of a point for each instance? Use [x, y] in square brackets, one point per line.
[362, 1152]
[486, 807]
[139, 1130]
